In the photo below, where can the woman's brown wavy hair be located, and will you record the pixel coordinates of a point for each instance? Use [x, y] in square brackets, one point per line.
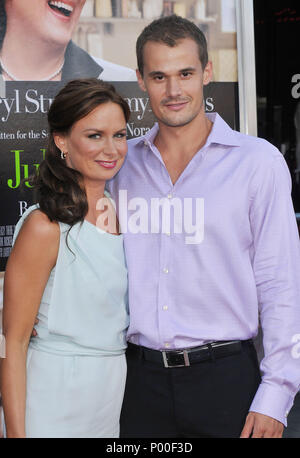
[59, 190]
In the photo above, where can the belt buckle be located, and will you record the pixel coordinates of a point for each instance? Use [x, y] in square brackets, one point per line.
[185, 358]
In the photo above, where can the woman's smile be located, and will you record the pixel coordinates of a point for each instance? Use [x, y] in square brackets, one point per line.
[62, 9]
[107, 164]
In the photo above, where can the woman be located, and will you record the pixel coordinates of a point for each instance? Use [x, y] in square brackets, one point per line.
[35, 42]
[69, 380]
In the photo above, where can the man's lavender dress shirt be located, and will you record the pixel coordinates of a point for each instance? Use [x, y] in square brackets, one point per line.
[244, 266]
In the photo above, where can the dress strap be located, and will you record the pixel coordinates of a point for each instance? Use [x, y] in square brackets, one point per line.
[22, 219]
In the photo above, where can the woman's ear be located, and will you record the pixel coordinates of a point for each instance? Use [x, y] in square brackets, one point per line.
[60, 141]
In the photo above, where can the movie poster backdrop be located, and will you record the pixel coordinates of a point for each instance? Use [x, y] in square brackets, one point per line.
[100, 37]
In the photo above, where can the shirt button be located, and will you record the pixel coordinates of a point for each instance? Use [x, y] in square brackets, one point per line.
[166, 271]
[167, 345]
[165, 307]
[168, 234]
[170, 196]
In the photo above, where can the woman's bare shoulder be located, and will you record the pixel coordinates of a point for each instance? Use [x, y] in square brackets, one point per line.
[38, 227]
[36, 246]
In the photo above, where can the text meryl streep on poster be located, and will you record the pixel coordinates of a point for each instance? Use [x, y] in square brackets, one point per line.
[30, 102]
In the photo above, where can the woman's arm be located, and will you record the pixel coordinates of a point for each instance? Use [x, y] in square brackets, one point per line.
[30, 263]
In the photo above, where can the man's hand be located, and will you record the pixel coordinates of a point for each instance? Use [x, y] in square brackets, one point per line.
[259, 425]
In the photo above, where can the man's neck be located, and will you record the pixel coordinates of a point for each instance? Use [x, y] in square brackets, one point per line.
[178, 145]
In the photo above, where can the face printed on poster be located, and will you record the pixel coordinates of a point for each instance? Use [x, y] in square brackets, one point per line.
[43, 49]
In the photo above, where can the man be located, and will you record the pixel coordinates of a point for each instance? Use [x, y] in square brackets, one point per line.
[214, 251]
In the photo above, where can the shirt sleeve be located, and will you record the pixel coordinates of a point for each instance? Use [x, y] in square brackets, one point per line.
[276, 265]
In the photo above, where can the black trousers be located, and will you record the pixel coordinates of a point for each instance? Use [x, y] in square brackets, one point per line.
[209, 399]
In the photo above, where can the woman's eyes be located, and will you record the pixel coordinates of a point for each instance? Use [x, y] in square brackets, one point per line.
[118, 135]
[94, 136]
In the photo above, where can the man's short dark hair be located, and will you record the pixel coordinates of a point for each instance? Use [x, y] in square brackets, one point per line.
[169, 30]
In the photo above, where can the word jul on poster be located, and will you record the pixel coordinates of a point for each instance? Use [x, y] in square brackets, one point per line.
[21, 171]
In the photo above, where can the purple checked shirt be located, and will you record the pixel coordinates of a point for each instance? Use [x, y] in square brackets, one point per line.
[215, 253]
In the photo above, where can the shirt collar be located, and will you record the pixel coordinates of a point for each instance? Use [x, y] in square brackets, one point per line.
[221, 133]
[149, 137]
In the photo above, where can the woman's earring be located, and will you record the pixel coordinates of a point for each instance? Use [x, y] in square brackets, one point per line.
[63, 155]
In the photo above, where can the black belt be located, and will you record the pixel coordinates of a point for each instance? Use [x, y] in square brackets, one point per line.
[188, 356]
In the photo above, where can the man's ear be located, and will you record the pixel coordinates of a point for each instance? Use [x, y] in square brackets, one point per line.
[208, 73]
[140, 81]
